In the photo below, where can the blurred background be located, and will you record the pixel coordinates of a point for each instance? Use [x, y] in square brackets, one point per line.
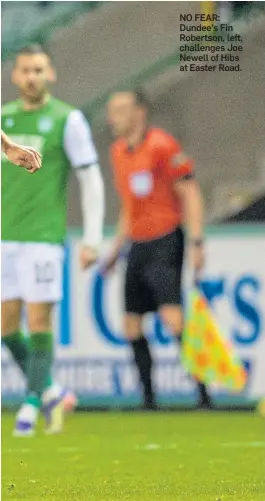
[98, 47]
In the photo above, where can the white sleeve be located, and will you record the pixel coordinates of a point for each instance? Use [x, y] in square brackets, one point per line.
[92, 204]
[78, 141]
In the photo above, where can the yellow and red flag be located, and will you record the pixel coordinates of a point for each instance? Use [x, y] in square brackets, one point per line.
[206, 354]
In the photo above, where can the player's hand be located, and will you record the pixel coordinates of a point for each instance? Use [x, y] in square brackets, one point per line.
[88, 256]
[197, 257]
[28, 158]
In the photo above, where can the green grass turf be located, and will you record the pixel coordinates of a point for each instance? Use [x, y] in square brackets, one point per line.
[125, 456]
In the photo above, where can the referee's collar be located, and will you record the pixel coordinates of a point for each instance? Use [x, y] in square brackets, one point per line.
[131, 148]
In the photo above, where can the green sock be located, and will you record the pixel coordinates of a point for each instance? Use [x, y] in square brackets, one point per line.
[18, 346]
[39, 365]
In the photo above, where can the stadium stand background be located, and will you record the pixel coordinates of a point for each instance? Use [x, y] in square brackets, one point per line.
[97, 48]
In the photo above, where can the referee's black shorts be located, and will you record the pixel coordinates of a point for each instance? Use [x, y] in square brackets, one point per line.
[153, 276]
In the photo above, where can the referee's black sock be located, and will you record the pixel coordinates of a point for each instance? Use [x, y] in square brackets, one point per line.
[204, 397]
[143, 361]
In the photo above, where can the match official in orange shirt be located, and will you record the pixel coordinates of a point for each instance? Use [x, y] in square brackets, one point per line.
[159, 193]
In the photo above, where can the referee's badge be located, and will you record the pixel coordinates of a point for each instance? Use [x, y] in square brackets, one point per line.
[141, 183]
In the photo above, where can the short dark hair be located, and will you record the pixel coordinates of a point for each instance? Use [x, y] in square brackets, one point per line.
[34, 49]
[140, 97]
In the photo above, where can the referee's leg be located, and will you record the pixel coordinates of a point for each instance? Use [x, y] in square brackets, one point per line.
[142, 356]
[135, 306]
[166, 283]
[172, 317]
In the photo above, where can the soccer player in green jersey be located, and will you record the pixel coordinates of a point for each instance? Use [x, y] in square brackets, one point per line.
[34, 225]
[20, 155]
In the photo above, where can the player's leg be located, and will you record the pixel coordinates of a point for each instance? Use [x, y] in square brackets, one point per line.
[42, 390]
[41, 350]
[39, 362]
[135, 306]
[42, 288]
[12, 338]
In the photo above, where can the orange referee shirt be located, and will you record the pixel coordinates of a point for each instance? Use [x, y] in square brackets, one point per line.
[144, 178]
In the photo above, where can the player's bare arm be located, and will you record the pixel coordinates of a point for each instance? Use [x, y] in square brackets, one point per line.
[22, 156]
[190, 194]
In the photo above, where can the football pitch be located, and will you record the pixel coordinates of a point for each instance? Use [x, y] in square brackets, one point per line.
[138, 456]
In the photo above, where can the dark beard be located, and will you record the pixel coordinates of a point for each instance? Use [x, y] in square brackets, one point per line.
[31, 99]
